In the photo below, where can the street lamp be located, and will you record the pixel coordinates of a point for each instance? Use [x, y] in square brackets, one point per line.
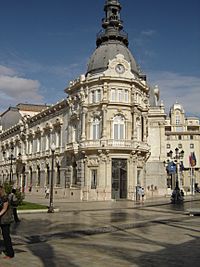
[51, 209]
[178, 157]
[11, 159]
[176, 195]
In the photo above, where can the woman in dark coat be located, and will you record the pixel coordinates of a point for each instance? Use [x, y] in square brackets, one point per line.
[6, 217]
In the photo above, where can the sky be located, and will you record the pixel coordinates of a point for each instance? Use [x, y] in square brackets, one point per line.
[46, 43]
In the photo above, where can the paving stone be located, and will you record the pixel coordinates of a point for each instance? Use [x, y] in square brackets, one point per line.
[108, 235]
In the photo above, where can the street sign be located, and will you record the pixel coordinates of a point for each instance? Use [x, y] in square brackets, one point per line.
[171, 167]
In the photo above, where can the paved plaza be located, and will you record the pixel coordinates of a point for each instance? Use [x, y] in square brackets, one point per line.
[118, 233]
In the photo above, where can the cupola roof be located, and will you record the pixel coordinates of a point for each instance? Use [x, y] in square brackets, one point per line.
[112, 40]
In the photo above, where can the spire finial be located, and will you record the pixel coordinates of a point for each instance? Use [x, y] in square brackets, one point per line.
[112, 24]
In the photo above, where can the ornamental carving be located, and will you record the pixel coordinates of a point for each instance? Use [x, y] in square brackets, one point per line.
[96, 114]
[94, 162]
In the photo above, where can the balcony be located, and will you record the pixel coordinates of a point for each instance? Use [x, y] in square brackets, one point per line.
[109, 144]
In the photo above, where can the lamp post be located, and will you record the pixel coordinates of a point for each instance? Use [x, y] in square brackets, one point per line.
[51, 208]
[178, 157]
[176, 195]
[11, 162]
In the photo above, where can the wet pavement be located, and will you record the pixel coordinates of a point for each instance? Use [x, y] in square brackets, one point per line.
[118, 233]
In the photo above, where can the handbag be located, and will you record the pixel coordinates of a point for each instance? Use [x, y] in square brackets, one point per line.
[7, 217]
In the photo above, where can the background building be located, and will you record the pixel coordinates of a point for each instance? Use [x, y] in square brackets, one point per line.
[184, 133]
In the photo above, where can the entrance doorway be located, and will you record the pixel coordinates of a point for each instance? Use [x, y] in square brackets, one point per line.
[119, 178]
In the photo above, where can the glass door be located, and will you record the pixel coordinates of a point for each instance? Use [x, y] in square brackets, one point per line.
[119, 178]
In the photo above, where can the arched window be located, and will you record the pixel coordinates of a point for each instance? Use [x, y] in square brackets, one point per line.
[118, 127]
[178, 119]
[96, 129]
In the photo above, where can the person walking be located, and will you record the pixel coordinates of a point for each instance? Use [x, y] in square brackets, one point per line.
[47, 192]
[6, 217]
[142, 194]
[14, 203]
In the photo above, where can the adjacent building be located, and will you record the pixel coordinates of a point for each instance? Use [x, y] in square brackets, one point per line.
[183, 133]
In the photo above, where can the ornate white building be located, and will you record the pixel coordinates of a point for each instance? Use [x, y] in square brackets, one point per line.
[109, 132]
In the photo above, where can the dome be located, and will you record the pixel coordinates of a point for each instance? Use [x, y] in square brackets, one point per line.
[108, 51]
[175, 107]
[111, 41]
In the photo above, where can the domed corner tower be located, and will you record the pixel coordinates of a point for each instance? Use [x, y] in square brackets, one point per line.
[108, 118]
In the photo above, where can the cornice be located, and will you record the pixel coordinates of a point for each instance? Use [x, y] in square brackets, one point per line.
[76, 84]
[49, 111]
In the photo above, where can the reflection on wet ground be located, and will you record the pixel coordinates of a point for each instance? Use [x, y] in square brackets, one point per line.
[95, 222]
[144, 235]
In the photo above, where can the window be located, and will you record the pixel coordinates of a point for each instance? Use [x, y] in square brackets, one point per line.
[58, 175]
[74, 174]
[113, 95]
[179, 145]
[58, 138]
[38, 140]
[119, 128]
[179, 137]
[48, 141]
[126, 99]
[93, 179]
[168, 146]
[39, 176]
[178, 120]
[75, 133]
[31, 176]
[191, 137]
[98, 96]
[30, 146]
[96, 129]
[119, 95]
[191, 145]
[95, 96]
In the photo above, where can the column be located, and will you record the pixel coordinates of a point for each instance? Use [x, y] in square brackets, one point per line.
[145, 128]
[83, 135]
[134, 126]
[104, 135]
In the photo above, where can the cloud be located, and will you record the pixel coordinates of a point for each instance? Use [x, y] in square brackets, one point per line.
[174, 87]
[148, 33]
[144, 37]
[15, 89]
[142, 44]
[6, 71]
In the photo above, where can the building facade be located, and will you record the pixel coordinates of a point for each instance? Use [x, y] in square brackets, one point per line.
[183, 133]
[110, 131]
